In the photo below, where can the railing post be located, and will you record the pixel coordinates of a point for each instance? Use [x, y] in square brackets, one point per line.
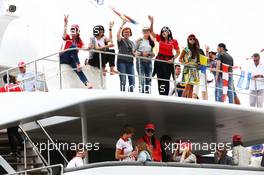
[101, 70]
[60, 76]
[140, 78]
[46, 133]
[34, 146]
[256, 92]
[36, 74]
[7, 74]
[25, 155]
[174, 82]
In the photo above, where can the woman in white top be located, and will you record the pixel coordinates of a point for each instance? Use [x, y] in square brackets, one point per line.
[124, 147]
[144, 48]
[100, 42]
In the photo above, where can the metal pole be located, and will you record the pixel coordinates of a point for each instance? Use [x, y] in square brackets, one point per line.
[233, 89]
[84, 135]
[36, 74]
[101, 71]
[7, 74]
[140, 78]
[256, 92]
[60, 77]
[46, 133]
[34, 146]
[175, 83]
[25, 155]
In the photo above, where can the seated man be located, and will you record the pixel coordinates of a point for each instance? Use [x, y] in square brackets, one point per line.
[77, 161]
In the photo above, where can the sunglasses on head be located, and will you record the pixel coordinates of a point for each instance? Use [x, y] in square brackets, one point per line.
[150, 130]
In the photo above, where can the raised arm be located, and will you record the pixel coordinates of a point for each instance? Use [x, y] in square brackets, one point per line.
[207, 48]
[65, 26]
[151, 19]
[110, 39]
[218, 67]
[119, 31]
[182, 56]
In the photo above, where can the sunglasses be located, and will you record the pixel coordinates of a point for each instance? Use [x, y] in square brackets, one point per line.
[74, 31]
[150, 130]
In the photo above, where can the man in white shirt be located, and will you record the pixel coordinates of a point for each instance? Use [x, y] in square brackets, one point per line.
[77, 161]
[179, 85]
[26, 78]
[240, 154]
[257, 83]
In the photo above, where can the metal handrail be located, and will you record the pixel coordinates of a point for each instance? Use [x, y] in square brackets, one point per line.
[118, 54]
[46, 133]
[40, 168]
[104, 52]
[34, 146]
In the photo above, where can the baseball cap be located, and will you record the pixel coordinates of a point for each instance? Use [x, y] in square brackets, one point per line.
[150, 126]
[145, 28]
[223, 46]
[236, 138]
[21, 64]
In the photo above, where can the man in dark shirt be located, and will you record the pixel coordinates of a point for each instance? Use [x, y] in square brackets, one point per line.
[224, 58]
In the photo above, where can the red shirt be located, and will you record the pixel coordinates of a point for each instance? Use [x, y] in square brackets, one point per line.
[156, 152]
[167, 47]
[68, 42]
[11, 88]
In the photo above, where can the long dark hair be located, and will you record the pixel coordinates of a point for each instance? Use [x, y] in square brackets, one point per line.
[163, 29]
[151, 42]
[78, 38]
[195, 48]
[153, 141]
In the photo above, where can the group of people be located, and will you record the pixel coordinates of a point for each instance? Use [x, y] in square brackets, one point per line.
[189, 74]
[149, 148]
[187, 80]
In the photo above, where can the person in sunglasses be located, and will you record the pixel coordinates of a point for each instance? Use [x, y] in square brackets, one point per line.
[100, 42]
[190, 57]
[167, 46]
[71, 57]
[152, 142]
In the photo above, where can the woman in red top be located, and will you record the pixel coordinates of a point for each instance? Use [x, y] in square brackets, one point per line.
[152, 142]
[167, 46]
[71, 57]
[11, 84]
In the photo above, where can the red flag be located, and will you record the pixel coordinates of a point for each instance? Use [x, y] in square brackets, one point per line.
[225, 68]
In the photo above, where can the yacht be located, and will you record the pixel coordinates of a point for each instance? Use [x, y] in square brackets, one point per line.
[64, 113]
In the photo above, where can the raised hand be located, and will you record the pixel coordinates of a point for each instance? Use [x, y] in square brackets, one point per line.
[151, 19]
[111, 24]
[207, 48]
[66, 19]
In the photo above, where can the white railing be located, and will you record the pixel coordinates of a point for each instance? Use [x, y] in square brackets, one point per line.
[58, 73]
[30, 171]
